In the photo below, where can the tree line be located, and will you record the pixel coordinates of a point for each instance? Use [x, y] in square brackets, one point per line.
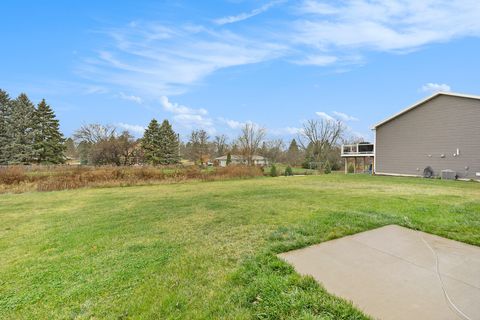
[30, 134]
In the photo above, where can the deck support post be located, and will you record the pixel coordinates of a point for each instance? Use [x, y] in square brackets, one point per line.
[354, 164]
[346, 165]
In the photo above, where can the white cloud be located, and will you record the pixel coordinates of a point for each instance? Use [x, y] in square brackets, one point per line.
[179, 109]
[324, 115]
[130, 98]
[293, 130]
[435, 87]
[195, 121]
[315, 7]
[131, 127]
[232, 124]
[286, 131]
[93, 89]
[246, 15]
[394, 25]
[317, 60]
[189, 118]
[157, 60]
[344, 116]
[154, 59]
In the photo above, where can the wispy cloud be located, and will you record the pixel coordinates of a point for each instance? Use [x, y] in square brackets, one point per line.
[317, 60]
[156, 60]
[235, 124]
[292, 130]
[246, 15]
[232, 124]
[316, 7]
[132, 98]
[344, 116]
[176, 108]
[286, 131]
[134, 128]
[189, 118]
[435, 87]
[342, 27]
[325, 115]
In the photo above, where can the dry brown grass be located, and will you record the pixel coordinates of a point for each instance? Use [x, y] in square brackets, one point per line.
[17, 179]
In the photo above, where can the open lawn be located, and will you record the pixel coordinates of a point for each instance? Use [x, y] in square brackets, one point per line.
[204, 250]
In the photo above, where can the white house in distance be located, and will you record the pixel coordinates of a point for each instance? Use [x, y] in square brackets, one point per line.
[236, 159]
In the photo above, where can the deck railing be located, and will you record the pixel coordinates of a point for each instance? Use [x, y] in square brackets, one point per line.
[359, 149]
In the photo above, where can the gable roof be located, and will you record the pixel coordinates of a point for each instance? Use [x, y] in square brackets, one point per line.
[419, 103]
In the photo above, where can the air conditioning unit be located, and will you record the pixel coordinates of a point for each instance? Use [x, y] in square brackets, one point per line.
[448, 174]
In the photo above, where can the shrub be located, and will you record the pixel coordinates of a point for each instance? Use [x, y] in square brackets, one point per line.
[327, 168]
[12, 175]
[288, 171]
[235, 171]
[351, 168]
[229, 158]
[273, 171]
[43, 178]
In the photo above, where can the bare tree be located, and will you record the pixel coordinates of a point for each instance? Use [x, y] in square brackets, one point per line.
[220, 145]
[318, 137]
[127, 145]
[197, 146]
[250, 138]
[274, 149]
[352, 139]
[94, 133]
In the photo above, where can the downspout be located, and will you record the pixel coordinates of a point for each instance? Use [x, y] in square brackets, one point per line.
[374, 151]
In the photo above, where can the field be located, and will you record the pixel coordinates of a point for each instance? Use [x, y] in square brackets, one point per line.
[203, 250]
[19, 179]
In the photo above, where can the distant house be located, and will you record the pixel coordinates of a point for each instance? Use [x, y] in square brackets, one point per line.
[238, 159]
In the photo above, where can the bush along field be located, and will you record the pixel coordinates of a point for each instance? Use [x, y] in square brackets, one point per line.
[204, 250]
[19, 179]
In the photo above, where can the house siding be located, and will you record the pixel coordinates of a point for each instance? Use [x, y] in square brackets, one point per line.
[416, 139]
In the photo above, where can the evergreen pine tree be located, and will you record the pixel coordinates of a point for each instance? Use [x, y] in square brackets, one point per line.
[49, 143]
[309, 162]
[22, 128]
[229, 158]
[327, 168]
[293, 153]
[5, 132]
[288, 171]
[151, 143]
[169, 144]
[273, 171]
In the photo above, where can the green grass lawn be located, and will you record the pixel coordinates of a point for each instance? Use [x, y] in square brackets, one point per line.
[204, 250]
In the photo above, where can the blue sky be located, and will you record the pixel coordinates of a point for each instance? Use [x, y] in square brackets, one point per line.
[218, 64]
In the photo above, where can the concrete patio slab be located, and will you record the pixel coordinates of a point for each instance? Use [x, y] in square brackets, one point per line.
[397, 273]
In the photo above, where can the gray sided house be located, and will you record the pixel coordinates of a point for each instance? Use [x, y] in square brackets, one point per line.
[441, 132]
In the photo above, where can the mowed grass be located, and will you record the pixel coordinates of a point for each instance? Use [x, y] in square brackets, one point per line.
[204, 250]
